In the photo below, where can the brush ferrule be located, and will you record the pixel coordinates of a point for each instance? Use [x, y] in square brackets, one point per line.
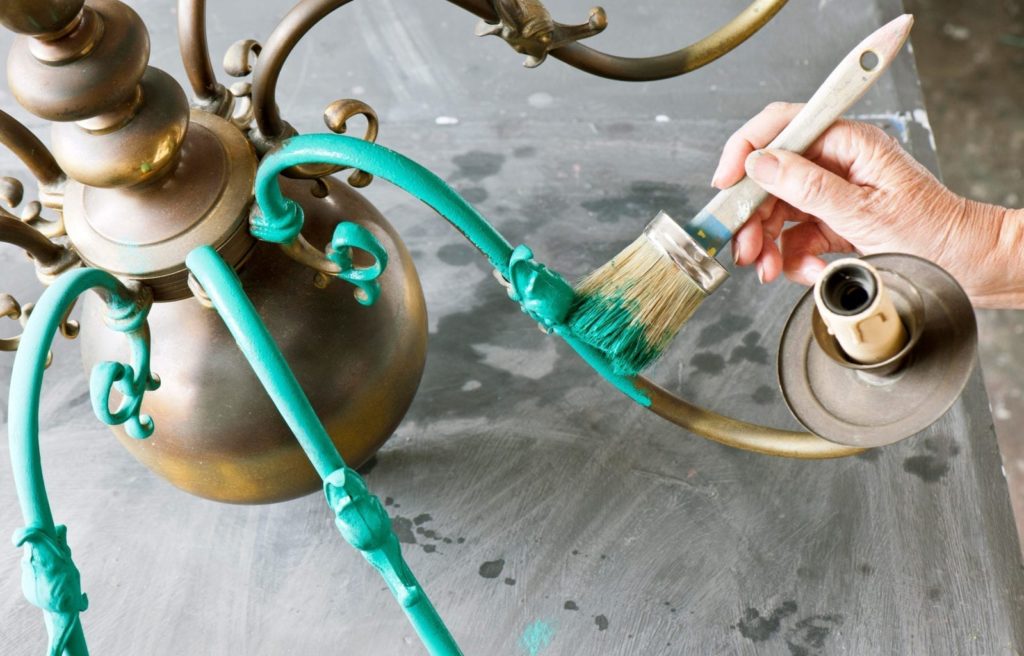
[687, 254]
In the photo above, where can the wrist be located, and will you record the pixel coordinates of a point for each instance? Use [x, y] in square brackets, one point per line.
[996, 265]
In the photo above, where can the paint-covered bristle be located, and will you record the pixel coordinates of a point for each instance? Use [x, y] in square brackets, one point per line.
[632, 307]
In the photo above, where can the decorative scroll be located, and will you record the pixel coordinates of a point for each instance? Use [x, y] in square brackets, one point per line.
[527, 26]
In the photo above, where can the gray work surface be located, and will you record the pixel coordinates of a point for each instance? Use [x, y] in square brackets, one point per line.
[543, 511]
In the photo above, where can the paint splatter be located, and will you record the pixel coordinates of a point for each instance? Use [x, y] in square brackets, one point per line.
[537, 637]
[933, 463]
[570, 605]
[510, 581]
[602, 622]
[756, 628]
[492, 568]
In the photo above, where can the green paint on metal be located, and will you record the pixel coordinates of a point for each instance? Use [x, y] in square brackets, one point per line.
[543, 294]
[50, 579]
[611, 324]
[537, 637]
[279, 219]
[360, 516]
[352, 235]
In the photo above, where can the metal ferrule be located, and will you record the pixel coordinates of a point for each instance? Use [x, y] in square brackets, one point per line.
[688, 255]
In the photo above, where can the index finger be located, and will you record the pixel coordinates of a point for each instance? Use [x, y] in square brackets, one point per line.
[757, 133]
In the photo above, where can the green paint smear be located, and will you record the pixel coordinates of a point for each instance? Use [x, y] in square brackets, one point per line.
[609, 324]
[537, 637]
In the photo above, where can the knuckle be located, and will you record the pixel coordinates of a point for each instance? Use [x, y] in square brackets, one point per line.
[814, 184]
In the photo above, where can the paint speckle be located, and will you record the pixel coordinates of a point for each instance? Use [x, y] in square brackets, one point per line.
[764, 395]
[750, 351]
[756, 628]
[471, 385]
[429, 548]
[602, 622]
[419, 520]
[934, 594]
[456, 254]
[708, 363]
[865, 569]
[540, 100]
[446, 120]
[661, 118]
[476, 165]
[402, 526]
[808, 636]
[536, 638]
[570, 605]
[933, 462]
[510, 581]
[492, 568]
[724, 327]
[475, 195]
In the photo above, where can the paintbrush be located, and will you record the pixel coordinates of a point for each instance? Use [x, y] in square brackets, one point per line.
[633, 306]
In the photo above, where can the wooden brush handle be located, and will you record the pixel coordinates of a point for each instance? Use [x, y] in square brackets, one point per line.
[844, 87]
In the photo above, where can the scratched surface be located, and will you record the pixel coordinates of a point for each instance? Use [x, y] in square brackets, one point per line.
[545, 513]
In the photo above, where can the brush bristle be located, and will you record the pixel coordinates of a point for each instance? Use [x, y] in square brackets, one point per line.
[631, 308]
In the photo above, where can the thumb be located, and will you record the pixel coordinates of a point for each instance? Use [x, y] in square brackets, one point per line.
[807, 186]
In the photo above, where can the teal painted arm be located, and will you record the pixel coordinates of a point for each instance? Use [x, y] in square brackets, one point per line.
[359, 515]
[50, 579]
[543, 294]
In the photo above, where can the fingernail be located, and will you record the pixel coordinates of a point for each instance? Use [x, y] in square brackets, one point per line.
[760, 272]
[735, 254]
[762, 166]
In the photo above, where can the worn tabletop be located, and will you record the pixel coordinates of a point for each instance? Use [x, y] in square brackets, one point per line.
[544, 512]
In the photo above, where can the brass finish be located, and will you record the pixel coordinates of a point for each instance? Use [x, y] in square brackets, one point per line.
[105, 78]
[527, 26]
[740, 434]
[144, 233]
[76, 40]
[141, 149]
[37, 18]
[209, 94]
[875, 405]
[336, 118]
[217, 433]
[642, 69]
[35, 156]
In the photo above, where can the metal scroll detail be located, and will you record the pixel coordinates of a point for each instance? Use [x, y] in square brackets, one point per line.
[50, 579]
[527, 26]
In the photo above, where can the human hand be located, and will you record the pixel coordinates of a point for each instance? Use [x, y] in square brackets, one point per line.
[856, 189]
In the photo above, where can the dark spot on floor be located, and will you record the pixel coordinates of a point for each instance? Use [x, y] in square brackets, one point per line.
[459, 254]
[756, 628]
[865, 569]
[79, 400]
[641, 201]
[750, 351]
[934, 594]
[932, 461]
[421, 519]
[429, 548]
[388, 501]
[602, 622]
[722, 328]
[708, 363]
[475, 195]
[402, 526]
[570, 605]
[524, 151]
[808, 636]
[492, 568]
[764, 395]
[510, 581]
[477, 165]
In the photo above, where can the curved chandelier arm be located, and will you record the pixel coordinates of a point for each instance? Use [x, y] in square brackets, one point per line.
[50, 579]
[299, 20]
[209, 94]
[543, 294]
[660, 67]
[20, 234]
[359, 515]
[31, 151]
